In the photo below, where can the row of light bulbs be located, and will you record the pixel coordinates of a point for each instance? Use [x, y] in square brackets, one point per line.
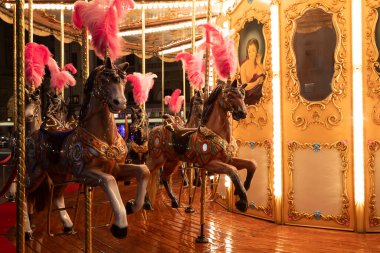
[138, 6]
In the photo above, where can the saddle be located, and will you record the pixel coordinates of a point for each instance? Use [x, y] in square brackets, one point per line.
[180, 134]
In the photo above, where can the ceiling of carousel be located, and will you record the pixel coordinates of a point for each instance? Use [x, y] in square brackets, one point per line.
[168, 24]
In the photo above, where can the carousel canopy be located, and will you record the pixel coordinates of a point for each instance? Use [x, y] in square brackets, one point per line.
[168, 24]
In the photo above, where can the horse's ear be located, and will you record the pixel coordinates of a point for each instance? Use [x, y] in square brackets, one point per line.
[107, 63]
[123, 66]
[234, 84]
[244, 85]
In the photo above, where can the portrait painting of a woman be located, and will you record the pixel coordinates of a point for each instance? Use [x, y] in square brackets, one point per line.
[251, 53]
[252, 73]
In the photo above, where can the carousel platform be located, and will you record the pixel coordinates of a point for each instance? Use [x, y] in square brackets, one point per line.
[170, 230]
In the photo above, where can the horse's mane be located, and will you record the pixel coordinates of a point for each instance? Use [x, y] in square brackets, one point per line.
[191, 109]
[106, 75]
[209, 105]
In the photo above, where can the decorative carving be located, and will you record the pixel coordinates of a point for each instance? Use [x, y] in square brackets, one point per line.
[374, 219]
[267, 144]
[372, 53]
[293, 214]
[327, 112]
[257, 114]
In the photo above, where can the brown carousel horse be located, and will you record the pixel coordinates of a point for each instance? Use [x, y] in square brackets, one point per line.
[94, 153]
[211, 146]
[193, 121]
[138, 135]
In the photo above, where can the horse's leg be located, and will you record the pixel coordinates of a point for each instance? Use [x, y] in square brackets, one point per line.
[28, 228]
[59, 202]
[141, 173]
[169, 167]
[217, 166]
[249, 165]
[153, 163]
[183, 174]
[109, 185]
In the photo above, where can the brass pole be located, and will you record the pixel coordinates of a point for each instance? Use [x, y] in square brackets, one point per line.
[163, 86]
[63, 44]
[192, 39]
[14, 70]
[207, 57]
[20, 194]
[88, 192]
[201, 238]
[30, 2]
[143, 39]
[88, 226]
[184, 91]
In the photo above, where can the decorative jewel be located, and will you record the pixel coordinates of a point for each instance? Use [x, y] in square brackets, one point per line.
[251, 145]
[204, 147]
[77, 151]
[316, 147]
[252, 205]
[157, 141]
[317, 215]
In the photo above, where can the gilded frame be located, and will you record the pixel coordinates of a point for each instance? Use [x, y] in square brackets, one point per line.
[327, 112]
[267, 144]
[257, 114]
[372, 53]
[293, 214]
[374, 218]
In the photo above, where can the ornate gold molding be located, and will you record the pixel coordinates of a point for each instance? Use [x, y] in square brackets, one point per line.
[267, 144]
[258, 114]
[326, 113]
[372, 53]
[293, 214]
[374, 219]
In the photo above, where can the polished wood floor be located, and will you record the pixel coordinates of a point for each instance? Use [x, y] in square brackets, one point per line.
[169, 230]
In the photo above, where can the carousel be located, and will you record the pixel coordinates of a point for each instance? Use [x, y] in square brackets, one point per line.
[190, 126]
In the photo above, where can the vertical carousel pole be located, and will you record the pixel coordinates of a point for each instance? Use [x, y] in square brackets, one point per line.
[15, 70]
[201, 238]
[30, 2]
[87, 189]
[63, 44]
[163, 86]
[20, 194]
[143, 39]
[184, 91]
[193, 17]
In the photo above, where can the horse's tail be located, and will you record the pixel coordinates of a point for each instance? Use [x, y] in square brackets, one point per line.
[153, 185]
[39, 195]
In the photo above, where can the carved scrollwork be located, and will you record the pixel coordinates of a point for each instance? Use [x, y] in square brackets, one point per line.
[257, 114]
[267, 144]
[344, 217]
[374, 219]
[327, 112]
[372, 53]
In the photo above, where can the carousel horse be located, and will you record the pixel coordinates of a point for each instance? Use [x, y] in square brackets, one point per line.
[211, 145]
[138, 136]
[94, 152]
[193, 121]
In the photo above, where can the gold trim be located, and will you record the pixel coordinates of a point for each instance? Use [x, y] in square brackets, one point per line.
[374, 219]
[293, 214]
[267, 144]
[373, 66]
[306, 113]
[257, 114]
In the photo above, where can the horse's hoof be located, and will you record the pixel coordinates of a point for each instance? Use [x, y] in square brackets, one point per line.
[247, 185]
[29, 236]
[129, 206]
[241, 205]
[148, 206]
[175, 204]
[68, 230]
[118, 232]
[186, 183]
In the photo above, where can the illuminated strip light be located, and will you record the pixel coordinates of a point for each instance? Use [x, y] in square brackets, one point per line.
[277, 138]
[180, 48]
[148, 6]
[358, 101]
[163, 28]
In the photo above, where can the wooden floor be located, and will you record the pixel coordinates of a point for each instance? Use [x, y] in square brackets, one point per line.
[169, 230]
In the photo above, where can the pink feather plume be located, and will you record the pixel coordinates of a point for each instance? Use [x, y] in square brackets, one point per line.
[223, 51]
[101, 18]
[70, 67]
[175, 101]
[60, 78]
[142, 84]
[36, 57]
[194, 67]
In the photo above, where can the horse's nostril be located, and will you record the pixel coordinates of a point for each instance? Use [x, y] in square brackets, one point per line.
[116, 102]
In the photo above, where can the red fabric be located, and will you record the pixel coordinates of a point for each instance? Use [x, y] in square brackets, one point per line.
[7, 220]
[71, 188]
